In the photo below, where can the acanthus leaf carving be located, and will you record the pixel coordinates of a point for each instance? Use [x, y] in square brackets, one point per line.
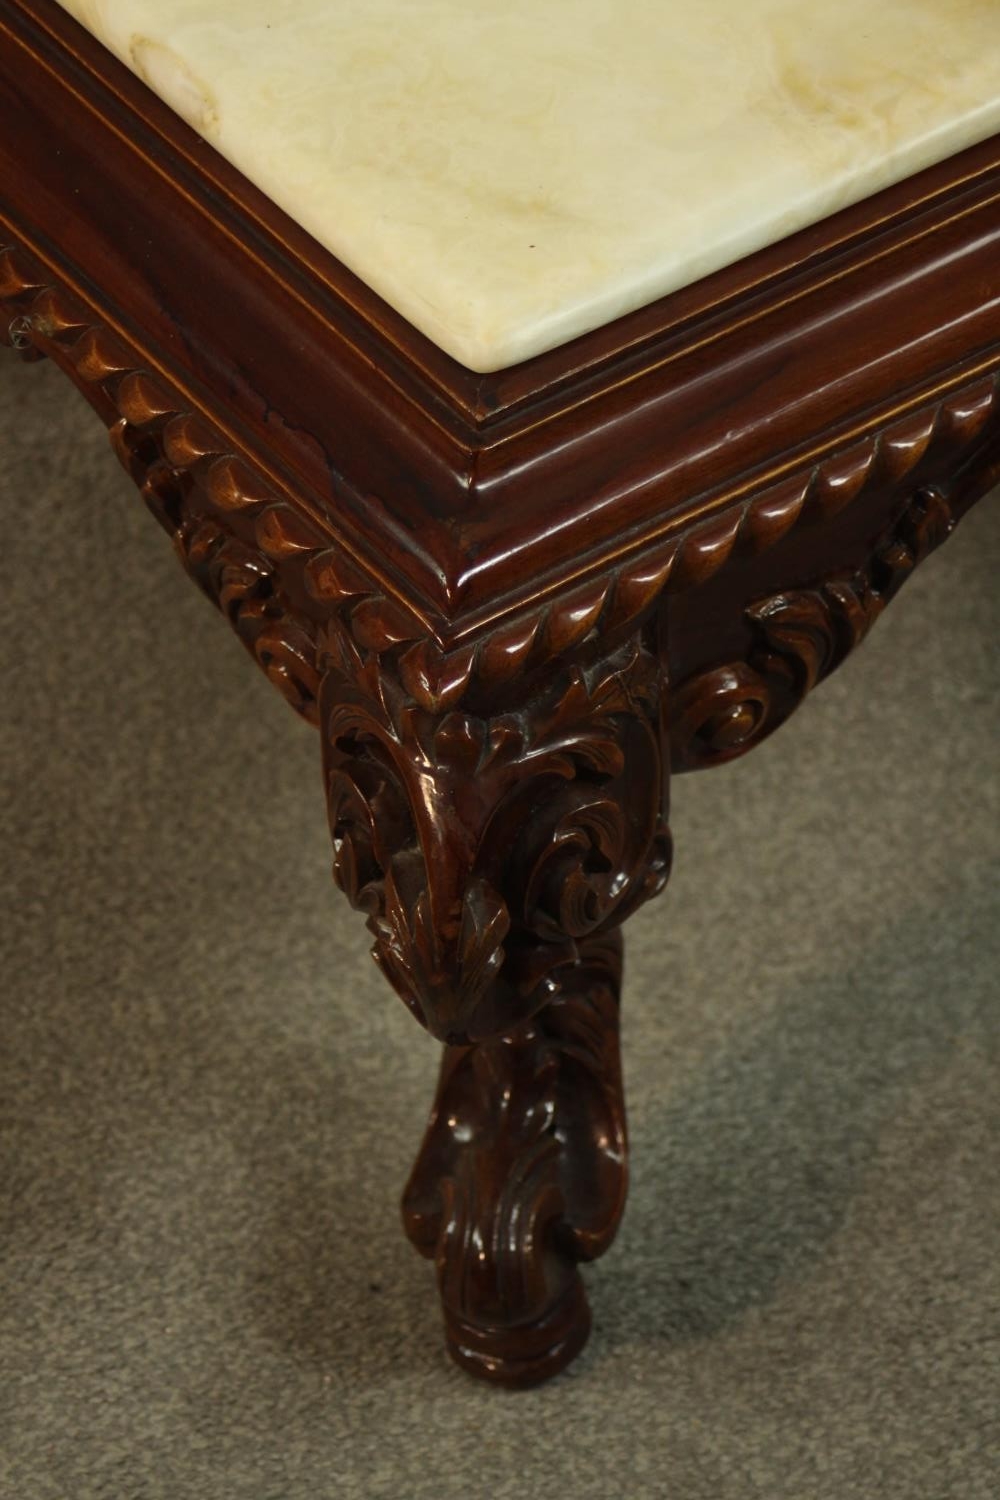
[536, 827]
[522, 1175]
[798, 637]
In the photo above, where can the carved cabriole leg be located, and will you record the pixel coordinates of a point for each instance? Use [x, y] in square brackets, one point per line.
[495, 854]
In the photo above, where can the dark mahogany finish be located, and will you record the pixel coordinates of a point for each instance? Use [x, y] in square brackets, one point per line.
[510, 601]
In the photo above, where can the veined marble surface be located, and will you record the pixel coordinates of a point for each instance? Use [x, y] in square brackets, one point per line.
[511, 173]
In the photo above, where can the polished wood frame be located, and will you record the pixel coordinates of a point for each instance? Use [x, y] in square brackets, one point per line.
[510, 602]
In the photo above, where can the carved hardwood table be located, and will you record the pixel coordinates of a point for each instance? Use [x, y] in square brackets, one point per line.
[592, 465]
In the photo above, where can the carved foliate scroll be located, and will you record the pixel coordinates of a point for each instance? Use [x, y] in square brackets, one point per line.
[485, 847]
[522, 1175]
[798, 638]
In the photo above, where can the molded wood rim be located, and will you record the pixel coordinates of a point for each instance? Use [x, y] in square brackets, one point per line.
[472, 495]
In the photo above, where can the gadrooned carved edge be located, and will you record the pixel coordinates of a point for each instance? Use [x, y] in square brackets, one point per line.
[153, 428]
[798, 637]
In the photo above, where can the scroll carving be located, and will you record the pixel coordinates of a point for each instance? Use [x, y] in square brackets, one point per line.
[798, 638]
[522, 1175]
[495, 851]
[485, 848]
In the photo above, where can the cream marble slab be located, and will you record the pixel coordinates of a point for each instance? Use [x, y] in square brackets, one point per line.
[511, 173]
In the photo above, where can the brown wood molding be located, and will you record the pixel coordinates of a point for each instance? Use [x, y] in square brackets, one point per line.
[489, 493]
[167, 445]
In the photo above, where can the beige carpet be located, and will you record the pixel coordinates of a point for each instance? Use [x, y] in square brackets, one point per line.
[209, 1101]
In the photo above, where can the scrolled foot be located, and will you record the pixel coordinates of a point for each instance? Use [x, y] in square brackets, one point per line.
[522, 1175]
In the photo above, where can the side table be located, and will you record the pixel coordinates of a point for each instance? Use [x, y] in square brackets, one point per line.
[514, 599]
